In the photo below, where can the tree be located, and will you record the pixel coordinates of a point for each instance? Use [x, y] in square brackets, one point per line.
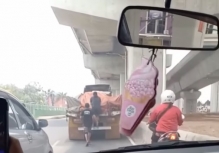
[34, 92]
[199, 103]
[61, 96]
[50, 95]
[14, 90]
[208, 103]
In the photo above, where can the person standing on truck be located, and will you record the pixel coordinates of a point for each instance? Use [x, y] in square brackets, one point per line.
[87, 118]
[96, 107]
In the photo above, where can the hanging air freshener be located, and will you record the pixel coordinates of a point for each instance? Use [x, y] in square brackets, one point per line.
[139, 95]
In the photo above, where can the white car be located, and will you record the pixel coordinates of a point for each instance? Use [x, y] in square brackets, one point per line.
[23, 126]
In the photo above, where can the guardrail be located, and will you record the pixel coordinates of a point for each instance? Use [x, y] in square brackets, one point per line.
[44, 110]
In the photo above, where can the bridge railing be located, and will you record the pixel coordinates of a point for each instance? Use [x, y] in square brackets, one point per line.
[44, 110]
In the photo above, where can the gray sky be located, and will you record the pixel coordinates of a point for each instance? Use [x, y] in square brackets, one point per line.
[34, 47]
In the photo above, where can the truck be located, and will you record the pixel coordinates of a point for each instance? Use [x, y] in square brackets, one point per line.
[108, 120]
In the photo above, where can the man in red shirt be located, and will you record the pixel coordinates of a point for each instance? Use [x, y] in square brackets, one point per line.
[168, 120]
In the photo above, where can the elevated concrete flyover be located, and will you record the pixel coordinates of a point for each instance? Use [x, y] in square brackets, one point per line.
[102, 18]
[97, 44]
[195, 71]
[105, 63]
[103, 55]
[200, 70]
[96, 24]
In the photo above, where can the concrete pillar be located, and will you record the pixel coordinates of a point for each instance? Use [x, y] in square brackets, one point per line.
[190, 101]
[214, 107]
[122, 82]
[185, 32]
[179, 103]
[115, 92]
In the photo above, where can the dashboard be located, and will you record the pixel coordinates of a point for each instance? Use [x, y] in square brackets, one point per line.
[181, 147]
[205, 149]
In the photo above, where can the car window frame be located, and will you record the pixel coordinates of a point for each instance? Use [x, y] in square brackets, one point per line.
[5, 96]
[10, 107]
[13, 100]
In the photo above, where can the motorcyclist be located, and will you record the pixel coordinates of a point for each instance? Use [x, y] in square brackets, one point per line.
[168, 121]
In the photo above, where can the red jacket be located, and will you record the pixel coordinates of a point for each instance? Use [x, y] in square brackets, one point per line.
[169, 121]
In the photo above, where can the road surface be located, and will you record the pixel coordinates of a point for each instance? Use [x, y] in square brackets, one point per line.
[58, 136]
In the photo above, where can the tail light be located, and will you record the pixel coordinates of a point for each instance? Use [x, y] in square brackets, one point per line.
[173, 136]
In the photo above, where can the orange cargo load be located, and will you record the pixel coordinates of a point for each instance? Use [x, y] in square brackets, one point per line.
[105, 99]
[108, 103]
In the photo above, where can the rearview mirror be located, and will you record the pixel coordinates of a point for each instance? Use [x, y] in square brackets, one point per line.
[161, 28]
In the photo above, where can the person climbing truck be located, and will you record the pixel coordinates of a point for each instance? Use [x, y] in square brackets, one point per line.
[109, 112]
[96, 107]
[87, 118]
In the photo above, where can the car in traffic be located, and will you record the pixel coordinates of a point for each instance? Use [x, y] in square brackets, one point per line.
[25, 128]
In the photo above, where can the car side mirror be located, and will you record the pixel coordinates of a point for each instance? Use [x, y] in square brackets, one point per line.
[42, 123]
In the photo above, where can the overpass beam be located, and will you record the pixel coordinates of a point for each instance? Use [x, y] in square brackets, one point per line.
[214, 106]
[190, 101]
[105, 14]
[112, 64]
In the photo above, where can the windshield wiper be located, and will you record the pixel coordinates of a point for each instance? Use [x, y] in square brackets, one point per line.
[164, 145]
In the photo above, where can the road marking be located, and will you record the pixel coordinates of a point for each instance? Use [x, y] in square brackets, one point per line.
[132, 142]
[55, 143]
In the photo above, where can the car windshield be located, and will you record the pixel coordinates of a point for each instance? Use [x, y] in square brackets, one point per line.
[54, 53]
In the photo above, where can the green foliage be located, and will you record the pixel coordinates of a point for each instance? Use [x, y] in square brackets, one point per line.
[33, 93]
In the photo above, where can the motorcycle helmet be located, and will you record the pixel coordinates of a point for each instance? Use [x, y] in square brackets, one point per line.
[168, 96]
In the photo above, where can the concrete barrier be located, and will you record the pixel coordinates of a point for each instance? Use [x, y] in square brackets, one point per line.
[142, 135]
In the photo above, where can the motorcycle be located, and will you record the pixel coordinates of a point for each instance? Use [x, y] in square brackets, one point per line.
[169, 136]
